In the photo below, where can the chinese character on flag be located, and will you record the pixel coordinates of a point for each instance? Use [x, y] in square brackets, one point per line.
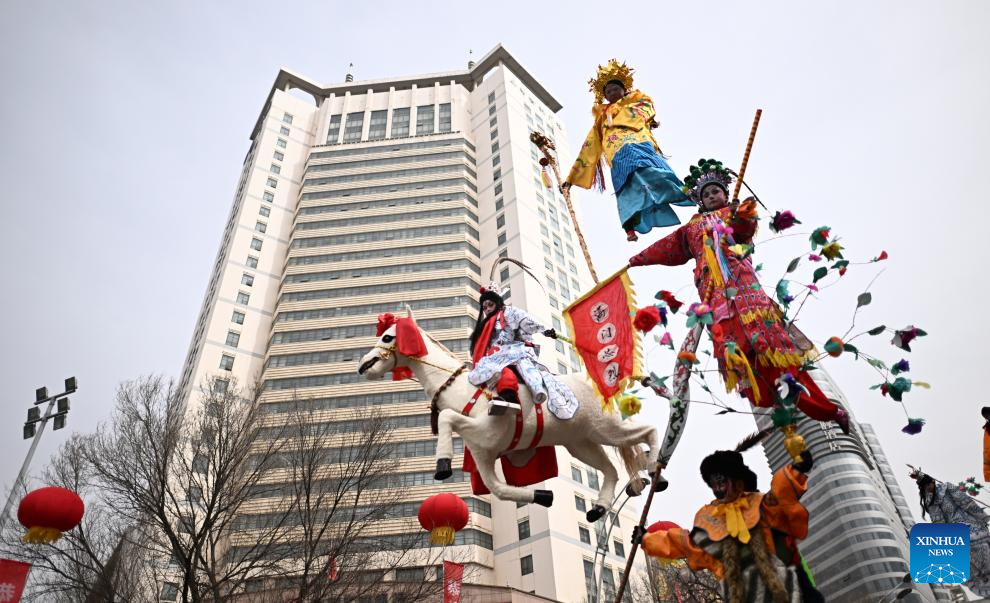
[452, 575]
[13, 575]
[601, 324]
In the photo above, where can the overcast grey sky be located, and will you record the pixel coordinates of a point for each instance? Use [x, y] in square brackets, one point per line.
[127, 122]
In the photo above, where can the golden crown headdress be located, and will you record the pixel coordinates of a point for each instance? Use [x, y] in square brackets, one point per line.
[613, 70]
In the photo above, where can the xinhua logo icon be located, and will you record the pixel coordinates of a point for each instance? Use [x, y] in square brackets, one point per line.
[940, 552]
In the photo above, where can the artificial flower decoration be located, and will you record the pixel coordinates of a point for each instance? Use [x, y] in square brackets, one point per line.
[699, 313]
[672, 302]
[819, 237]
[970, 486]
[904, 337]
[647, 318]
[883, 256]
[913, 426]
[895, 389]
[788, 388]
[782, 220]
[783, 296]
[629, 405]
[741, 249]
[667, 340]
[814, 258]
[832, 250]
[687, 358]
[834, 347]
[902, 366]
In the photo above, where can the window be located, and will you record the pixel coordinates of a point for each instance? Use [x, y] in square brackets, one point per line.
[608, 581]
[283, 131]
[544, 231]
[491, 110]
[589, 580]
[501, 239]
[493, 122]
[559, 346]
[495, 147]
[264, 211]
[170, 592]
[226, 362]
[500, 221]
[242, 298]
[491, 97]
[353, 126]
[546, 248]
[237, 317]
[268, 197]
[499, 204]
[523, 529]
[272, 183]
[252, 262]
[494, 134]
[498, 188]
[561, 368]
[279, 156]
[504, 253]
[445, 117]
[280, 143]
[584, 534]
[256, 244]
[620, 550]
[593, 479]
[497, 159]
[580, 504]
[497, 175]
[287, 119]
[333, 133]
[260, 226]
[220, 386]
[576, 475]
[526, 564]
[247, 279]
[400, 123]
[554, 303]
[424, 120]
[504, 275]
[233, 338]
[276, 169]
[410, 574]
[376, 128]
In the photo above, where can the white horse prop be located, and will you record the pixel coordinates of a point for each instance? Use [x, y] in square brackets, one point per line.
[444, 379]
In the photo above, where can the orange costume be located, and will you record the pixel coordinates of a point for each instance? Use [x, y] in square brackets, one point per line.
[730, 539]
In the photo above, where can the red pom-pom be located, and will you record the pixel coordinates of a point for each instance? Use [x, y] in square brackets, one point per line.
[646, 318]
[672, 301]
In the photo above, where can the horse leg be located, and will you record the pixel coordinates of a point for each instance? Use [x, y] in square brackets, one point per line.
[447, 422]
[485, 461]
[594, 455]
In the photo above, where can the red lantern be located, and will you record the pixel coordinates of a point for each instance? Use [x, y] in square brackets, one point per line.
[443, 515]
[47, 512]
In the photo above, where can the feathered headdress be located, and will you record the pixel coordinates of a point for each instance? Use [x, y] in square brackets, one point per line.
[495, 287]
[613, 70]
[708, 171]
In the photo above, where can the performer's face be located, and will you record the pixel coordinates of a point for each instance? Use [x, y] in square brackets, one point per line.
[613, 92]
[713, 197]
[488, 306]
[724, 489]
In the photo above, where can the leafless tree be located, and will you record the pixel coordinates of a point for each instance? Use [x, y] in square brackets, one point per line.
[665, 581]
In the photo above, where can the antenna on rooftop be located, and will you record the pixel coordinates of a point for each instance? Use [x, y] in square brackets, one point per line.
[470, 59]
[349, 77]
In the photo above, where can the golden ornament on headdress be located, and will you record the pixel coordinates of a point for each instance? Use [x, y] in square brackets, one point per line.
[613, 70]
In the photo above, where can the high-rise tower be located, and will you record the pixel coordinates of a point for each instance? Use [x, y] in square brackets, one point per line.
[370, 195]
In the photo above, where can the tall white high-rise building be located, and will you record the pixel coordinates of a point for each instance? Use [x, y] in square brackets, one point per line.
[360, 197]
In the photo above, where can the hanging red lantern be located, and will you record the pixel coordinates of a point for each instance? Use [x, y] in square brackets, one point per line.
[47, 512]
[442, 515]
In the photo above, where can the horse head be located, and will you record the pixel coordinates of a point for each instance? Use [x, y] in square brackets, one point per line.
[398, 340]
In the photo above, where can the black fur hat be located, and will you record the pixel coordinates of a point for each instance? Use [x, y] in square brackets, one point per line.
[730, 464]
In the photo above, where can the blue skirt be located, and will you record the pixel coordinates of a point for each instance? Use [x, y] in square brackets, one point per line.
[645, 188]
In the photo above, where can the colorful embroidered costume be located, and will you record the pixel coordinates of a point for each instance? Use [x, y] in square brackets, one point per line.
[753, 346]
[645, 186]
[748, 542]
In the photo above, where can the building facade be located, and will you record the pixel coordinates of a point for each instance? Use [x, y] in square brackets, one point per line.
[857, 546]
[359, 198]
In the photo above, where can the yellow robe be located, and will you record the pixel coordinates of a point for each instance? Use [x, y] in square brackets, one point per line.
[626, 121]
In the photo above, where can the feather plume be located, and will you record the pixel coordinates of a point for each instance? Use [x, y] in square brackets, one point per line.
[753, 439]
[524, 268]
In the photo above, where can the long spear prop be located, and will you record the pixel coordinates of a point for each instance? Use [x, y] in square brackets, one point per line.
[680, 395]
[545, 144]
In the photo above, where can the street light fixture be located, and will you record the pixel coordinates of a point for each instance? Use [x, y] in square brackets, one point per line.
[58, 408]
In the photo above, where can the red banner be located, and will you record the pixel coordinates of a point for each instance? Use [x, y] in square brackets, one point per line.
[601, 324]
[453, 574]
[13, 575]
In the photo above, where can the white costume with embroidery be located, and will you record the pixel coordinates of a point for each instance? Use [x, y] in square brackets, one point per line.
[512, 345]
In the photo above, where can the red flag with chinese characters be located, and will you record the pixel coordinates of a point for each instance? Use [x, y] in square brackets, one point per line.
[453, 573]
[13, 575]
[601, 323]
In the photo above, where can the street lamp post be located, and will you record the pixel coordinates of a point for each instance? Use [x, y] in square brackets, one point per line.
[59, 403]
